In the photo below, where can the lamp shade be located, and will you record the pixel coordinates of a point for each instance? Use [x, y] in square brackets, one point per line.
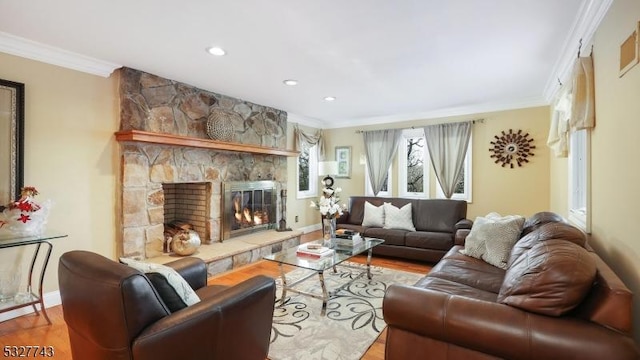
[327, 168]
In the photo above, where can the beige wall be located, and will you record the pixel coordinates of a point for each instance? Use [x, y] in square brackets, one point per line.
[70, 154]
[522, 190]
[615, 168]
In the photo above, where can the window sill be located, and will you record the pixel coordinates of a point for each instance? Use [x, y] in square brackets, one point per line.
[579, 220]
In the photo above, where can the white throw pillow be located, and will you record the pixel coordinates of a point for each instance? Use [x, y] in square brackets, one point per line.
[398, 218]
[373, 215]
[492, 237]
[179, 284]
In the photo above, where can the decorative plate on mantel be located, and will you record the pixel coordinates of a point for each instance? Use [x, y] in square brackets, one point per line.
[220, 124]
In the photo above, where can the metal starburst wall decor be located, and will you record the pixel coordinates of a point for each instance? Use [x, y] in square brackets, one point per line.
[512, 147]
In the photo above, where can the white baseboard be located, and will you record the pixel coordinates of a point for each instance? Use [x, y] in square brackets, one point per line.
[50, 299]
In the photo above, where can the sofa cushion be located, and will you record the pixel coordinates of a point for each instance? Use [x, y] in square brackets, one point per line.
[455, 288]
[398, 218]
[390, 236]
[551, 278]
[469, 271]
[439, 215]
[429, 240]
[492, 237]
[373, 215]
[538, 219]
[544, 232]
[174, 290]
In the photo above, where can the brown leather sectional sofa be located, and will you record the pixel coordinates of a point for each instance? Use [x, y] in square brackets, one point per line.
[535, 309]
[436, 221]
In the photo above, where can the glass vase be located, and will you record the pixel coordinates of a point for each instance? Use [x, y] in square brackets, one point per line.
[9, 284]
[328, 228]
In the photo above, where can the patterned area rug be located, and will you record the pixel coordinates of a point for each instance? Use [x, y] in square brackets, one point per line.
[353, 317]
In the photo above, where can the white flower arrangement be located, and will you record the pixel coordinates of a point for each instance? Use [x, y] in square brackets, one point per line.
[328, 204]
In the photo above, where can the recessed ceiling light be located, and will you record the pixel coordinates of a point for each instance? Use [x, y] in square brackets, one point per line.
[217, 51]
[330, 98]
[290, 82]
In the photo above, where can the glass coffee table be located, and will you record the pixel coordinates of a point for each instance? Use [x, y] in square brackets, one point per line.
[320, 265]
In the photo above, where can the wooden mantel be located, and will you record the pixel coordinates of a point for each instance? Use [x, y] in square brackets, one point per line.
[177, 140]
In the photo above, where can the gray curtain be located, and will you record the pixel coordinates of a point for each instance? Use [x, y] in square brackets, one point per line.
[447, 144]
[380, 147]
[307, 140]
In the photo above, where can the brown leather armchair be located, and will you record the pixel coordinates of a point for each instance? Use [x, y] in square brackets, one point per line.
[114, 312]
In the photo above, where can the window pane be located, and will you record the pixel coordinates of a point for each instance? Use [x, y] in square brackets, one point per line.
[579, 170]
[303, 170]
[460, 185]
[415, 164]
[579, 163]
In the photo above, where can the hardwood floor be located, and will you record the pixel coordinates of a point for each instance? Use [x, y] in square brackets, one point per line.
[33, 329]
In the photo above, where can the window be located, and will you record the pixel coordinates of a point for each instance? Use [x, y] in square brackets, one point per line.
[579, 179]
[463, 188]
[413, 165]
[386, 188]
[308, 172]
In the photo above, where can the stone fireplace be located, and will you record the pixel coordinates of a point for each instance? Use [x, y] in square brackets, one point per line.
[155, 168]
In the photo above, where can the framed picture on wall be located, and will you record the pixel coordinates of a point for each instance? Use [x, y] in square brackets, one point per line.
[630, 51]
[343, 158]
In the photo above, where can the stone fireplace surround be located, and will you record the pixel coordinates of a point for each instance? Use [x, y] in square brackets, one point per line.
[153, 104]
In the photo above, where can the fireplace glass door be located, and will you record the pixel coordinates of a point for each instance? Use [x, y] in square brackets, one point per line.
[248, 207]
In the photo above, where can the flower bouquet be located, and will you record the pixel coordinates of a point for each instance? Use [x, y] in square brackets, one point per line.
[24, 217]
[329, 207]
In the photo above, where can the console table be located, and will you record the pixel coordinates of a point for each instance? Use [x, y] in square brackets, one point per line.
[33, 298]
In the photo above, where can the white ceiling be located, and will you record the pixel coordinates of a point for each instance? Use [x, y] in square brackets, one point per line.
[383, 60]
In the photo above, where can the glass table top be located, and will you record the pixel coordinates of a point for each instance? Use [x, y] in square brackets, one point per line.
[11, 241]
[340, 254]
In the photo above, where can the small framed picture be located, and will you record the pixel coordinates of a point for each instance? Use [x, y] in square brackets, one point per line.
[630, 51]
[343, 158]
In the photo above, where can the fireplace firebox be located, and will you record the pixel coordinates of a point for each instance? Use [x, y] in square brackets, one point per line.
[248, 207]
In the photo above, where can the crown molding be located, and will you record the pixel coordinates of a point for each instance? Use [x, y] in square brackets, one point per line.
[442, 113]
[29, 49]
[589, 18]
[304, 120]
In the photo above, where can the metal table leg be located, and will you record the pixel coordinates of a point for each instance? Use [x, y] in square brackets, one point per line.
[40, 297]
[325, 296]
[41, 281]
[284, 283]
[369, 263]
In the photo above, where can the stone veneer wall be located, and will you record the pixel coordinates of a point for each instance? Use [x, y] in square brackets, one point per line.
[155, 104]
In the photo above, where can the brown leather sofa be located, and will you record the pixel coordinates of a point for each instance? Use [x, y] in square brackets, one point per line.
[459, 311]
[114, 312]
[436, 221]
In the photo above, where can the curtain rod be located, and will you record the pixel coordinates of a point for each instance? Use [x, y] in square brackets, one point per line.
[480, 121]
